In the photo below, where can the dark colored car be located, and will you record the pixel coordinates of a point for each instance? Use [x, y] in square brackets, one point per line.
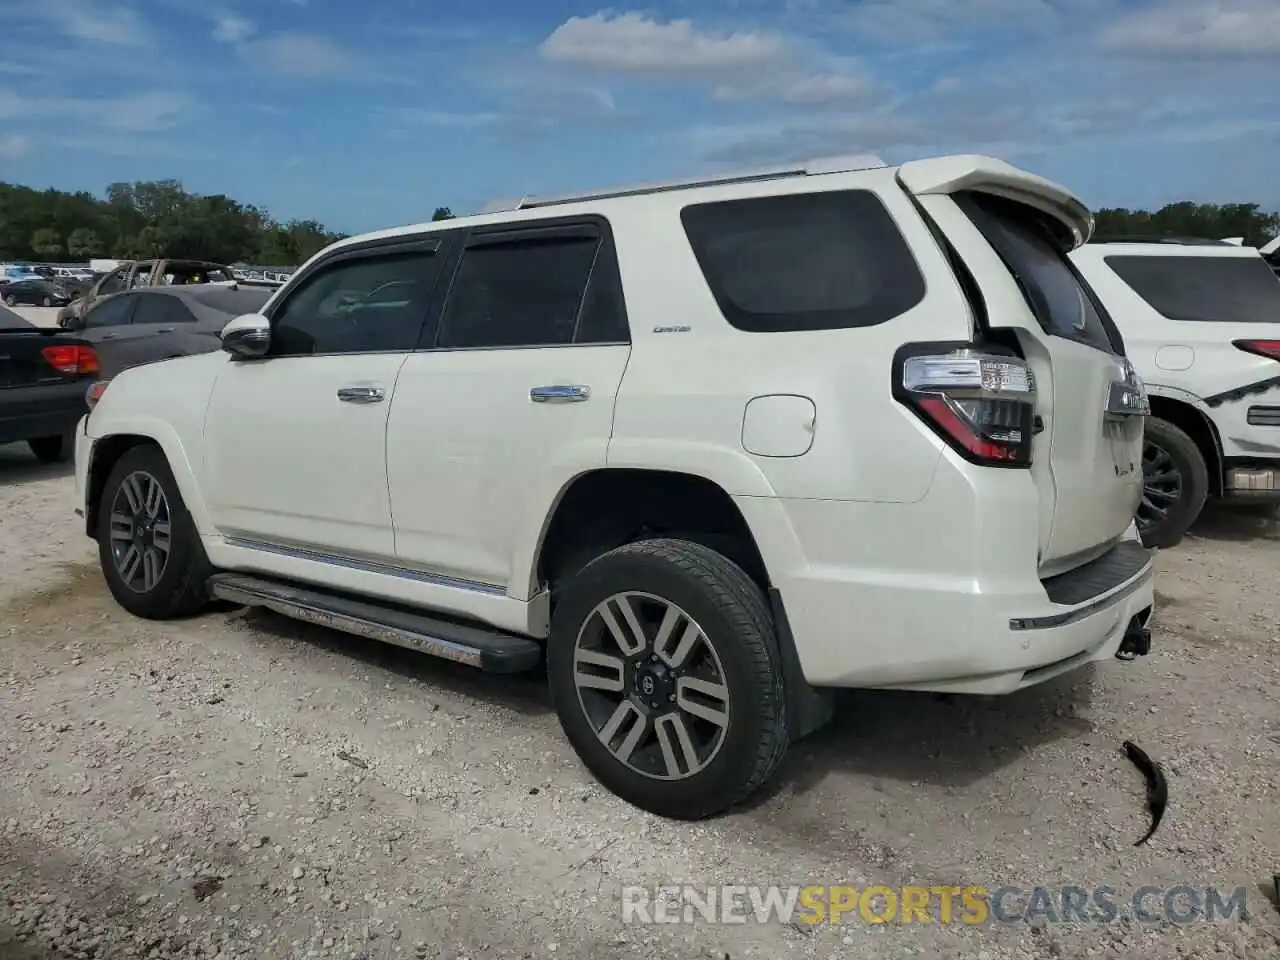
[159, 323]
[36, 293]
[44, 376]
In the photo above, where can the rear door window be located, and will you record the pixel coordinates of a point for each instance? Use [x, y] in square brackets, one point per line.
[113, 312]
[1036, 254]
[1207, 289]
[809, 261]
[161, 309]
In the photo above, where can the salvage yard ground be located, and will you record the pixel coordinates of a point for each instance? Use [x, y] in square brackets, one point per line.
[240, 785]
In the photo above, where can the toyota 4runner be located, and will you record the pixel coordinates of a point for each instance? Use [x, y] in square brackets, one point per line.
[710, 448]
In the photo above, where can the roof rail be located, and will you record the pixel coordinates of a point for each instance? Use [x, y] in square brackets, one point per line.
[819, 165]
[1177, 241]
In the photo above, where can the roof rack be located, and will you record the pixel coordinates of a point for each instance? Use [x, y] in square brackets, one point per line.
[836, 164]
[1177, 241]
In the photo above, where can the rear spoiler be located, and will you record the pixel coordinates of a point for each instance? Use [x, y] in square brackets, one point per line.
[946, 175]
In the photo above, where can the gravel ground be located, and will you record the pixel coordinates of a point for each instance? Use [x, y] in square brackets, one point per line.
[239, 785]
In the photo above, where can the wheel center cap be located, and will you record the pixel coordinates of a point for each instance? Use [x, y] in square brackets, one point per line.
[655, 684]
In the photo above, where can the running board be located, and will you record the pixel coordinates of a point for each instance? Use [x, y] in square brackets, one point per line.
[490, 650]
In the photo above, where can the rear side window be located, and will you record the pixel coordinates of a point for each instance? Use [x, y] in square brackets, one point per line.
[1036, 255]
[1213, 289]
[533, 288]
[810, 261]
[161, 309]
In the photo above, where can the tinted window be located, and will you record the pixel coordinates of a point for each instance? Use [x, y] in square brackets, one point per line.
[520, 292]
[813, 261]
[109, 313]
[161, 309]
[1216, 289]
[372, 303]
[1036, 256]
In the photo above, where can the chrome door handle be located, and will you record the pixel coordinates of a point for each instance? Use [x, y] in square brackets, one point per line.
[560, 393]
[361, 394]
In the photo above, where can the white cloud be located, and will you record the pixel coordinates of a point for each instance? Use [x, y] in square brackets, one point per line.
[14, 146]
[634, 43]
[136, 113]
[116, 25]
[301, 55]
[1218, 29]
[229, 28]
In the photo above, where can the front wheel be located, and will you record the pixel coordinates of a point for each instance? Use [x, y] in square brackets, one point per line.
[664, 671]
[46, 302]
[1175, 484]
[148, 545]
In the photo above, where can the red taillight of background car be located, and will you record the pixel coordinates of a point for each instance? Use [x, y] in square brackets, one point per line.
[1262, 348]
[73, 359]
[982, 404]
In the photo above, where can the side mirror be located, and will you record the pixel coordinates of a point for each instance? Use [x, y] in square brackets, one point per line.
[247, 337]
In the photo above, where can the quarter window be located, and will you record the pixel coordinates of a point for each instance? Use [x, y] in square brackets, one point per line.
[368, 304]
[809, 261]
[1237, 289]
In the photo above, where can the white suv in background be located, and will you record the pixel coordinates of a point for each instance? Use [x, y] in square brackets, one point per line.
[1201, 323]
[712, 448]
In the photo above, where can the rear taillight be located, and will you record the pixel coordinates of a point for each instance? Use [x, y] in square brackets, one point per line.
[71, 358]
[95, 392]
[982, 404]
[1263, 348]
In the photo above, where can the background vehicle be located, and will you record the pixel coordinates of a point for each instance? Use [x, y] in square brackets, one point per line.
[147, 273]
[715, 447]
[36, 293]
[44, 375]
[1201, 323]
[160, 323]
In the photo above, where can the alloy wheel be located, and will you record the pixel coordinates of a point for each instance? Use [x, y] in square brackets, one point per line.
[140, 531]
[1162, 485]
[651, 685]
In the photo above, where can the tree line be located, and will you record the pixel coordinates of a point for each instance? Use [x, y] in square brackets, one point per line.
[161, 218]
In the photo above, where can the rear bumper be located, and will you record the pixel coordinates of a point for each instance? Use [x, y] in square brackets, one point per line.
[47, 410]
[891, 609]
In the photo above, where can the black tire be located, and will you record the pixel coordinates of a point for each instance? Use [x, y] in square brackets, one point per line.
[52, 449]
[732, 611]
[182, 587]
[11, 300]
[1175, 484]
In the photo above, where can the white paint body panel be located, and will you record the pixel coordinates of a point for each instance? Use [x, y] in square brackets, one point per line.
[900, 563]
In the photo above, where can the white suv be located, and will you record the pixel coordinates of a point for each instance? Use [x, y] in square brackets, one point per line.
[1201, 323]
[711, 447]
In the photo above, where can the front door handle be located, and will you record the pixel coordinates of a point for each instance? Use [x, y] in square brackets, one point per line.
[165, 330]
[361, 394]
[560, 393]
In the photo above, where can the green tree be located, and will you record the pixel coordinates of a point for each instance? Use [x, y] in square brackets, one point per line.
[83, 243]
[46, 244]
[442, 213]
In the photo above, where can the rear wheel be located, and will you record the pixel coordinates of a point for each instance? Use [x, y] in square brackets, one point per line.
[11, 300]
[1175, 484]
[51, 449]
[664, 671]
[148, 545]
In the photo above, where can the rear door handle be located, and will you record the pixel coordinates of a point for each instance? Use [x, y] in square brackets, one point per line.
[361, 394]
[165, 330]
[560, 393]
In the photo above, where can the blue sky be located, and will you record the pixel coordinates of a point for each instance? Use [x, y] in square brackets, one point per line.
[368, 113]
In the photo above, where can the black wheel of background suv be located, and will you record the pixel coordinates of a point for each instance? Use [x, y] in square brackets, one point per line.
[51, 449]
[663, 669]
[150, 551]
[1175, 483]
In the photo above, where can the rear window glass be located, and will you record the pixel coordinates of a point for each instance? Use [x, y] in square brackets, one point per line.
[811, 261]
[1215, 289]
[1036, 256]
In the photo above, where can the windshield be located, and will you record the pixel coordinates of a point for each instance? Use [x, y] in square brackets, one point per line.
[1212, 289]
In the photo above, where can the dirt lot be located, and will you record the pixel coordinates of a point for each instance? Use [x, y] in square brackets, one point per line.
[243, 786]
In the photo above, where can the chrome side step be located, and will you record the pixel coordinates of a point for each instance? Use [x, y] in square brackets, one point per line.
[490, 650]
